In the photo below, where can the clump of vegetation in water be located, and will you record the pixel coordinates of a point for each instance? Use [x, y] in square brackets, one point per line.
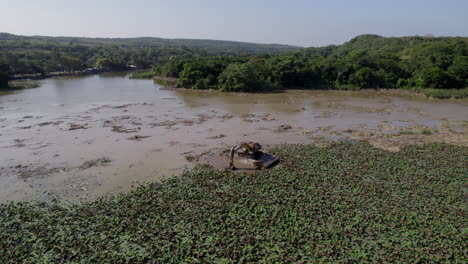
[143, 75]
[20, 85]
[446, 93]
[346, 203]
[155, 71]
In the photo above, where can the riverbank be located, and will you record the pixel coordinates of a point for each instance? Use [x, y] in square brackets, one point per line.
[446, 93]
[346, 202]
[165, 81]
[59, 74]
[170, 83]
[19, 85]
[90, 71]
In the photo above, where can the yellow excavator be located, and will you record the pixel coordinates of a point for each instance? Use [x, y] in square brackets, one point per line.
[250, 157]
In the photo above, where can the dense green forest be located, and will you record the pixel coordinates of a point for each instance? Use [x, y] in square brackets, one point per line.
[367, 61]
[37, 54]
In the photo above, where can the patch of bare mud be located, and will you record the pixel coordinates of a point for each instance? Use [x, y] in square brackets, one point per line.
[122, 129]
[392, 137]
[200, 119]
[283, 128]
[73, 126]
[50, 123]
[122, 107]
[138, 138]
[27, 171]
[38, 171]
[18, 143]
[217, 137]
[120, 124]
[95, 163]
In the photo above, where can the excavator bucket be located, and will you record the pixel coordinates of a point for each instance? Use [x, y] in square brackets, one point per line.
[250, 157]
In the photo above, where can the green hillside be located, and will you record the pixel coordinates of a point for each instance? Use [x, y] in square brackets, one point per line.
[39, 54]
[367, 61]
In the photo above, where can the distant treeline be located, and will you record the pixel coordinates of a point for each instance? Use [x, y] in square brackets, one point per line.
[367, 61]
[41, 55]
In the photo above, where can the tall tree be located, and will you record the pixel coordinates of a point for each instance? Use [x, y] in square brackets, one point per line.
[4, 74]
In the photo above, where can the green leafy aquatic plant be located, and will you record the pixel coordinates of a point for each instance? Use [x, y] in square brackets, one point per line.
[446, 93]
[345, 203]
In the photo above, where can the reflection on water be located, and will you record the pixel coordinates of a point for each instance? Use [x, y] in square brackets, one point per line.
[54, 137]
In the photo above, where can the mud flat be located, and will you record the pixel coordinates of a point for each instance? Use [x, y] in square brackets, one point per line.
[77, 138]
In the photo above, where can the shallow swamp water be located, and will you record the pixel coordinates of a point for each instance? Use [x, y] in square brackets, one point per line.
[77, 138]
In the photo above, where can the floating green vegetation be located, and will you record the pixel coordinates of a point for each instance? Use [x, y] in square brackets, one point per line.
[165, 82]
[427, 132]
[19, 85]
[154, 72]
[144, 75]
[345, 203]
[446, 93]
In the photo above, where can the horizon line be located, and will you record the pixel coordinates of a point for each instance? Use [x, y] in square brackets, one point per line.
[236, 41]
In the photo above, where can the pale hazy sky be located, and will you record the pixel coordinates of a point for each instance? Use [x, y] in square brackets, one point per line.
[296, 22]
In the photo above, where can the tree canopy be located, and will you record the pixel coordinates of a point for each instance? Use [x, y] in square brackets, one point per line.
[39, 55]
[4, 74]
[367, 61]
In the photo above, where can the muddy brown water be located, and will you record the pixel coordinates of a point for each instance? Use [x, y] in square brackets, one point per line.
[77, 138]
